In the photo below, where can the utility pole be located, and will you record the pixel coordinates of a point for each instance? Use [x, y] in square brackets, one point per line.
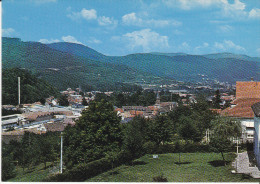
[61, 153]
[237, 146]
[18, 90]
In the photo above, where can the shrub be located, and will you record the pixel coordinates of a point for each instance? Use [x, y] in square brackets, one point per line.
[85, 171]
[166, 148]
[150, 147]
[160, 178]
[8, 169]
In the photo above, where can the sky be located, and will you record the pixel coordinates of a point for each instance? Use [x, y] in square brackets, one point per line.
[121, 27]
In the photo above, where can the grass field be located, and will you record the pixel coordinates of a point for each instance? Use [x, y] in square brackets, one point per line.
[194, 167]
[35, 174]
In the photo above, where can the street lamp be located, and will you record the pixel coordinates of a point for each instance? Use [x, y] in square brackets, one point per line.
[61, 152]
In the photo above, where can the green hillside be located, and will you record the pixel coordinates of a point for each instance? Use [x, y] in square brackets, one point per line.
[63, 69]
[225, 67]
[32, 88]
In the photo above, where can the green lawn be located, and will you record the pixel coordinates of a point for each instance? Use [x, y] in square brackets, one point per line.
[35, 174]
[195, 167]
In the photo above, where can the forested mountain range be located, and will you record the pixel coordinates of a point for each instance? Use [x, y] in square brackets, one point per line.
[226, 67]
[32, 88]
[63, 69]
[71, 65]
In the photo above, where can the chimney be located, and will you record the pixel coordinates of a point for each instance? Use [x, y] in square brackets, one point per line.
[252, 79]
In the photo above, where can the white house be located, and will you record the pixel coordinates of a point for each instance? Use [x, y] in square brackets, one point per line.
[256, 109]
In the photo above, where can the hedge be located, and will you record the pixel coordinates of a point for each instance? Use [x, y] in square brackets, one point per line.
[84, 171]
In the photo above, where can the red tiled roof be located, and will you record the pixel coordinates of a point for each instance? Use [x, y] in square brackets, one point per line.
[120, 110]
[249, 89]
[136, 113]
[54, 127]
[152, 108]
[34, 115]
[218, 111]
[242, 109]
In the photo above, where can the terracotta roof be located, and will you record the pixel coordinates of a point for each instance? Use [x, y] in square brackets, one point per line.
[227, 98]
[120, 110]
[32, 116]
[69, 121]
[136, 113]
[54, 127]
[256, 109]
[249, 89]
[21, 132]
[152, 108]
[218, 111]
[242, 109]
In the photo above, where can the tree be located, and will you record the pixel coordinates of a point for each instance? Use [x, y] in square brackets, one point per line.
[96, 132]
[47, 149]
[63, 100]
[84, 102]
[135, 135]
[187, 129]
[217, 99]
[120, 100]
[8, 168]
[224, 129]
[160, 129]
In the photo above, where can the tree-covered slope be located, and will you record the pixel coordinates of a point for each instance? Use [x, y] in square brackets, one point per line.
[226, 67]
[32, 88]
[64, 69]
[78, 50]
[187, 67]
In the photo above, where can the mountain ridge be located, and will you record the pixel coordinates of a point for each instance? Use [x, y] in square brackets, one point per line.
[226, 67]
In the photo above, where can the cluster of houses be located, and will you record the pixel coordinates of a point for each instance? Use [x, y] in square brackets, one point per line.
[38, 119]
[247, 94]
[127, 113]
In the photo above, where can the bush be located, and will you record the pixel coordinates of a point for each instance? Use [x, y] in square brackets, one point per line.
[160, 178]
[166, 148]
[150, 147]
[84, 171]
[8, 169]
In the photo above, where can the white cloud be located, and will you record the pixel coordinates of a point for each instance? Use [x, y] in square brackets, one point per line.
[199, 48]
[189, 4]
[8, 32]
[254, 13]
[228, 45]
[106, 21]
[225, 28]
[184, 47]
[177, 32]
[258, 51]
[146, 39]
[89, 14]
[92, 15]
[71, 39]
[132, 19]
[94, 40]
[46, 41]
[235, 10]
[43, 1]
[84, 13]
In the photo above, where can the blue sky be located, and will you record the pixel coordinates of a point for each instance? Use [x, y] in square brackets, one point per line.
[120, 27]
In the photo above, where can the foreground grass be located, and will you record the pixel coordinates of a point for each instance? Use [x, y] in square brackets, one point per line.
[194, 167]
[38, 173]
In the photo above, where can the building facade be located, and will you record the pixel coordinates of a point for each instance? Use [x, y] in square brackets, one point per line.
[256, 109]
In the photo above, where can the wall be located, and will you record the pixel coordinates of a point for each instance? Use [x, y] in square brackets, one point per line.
[257, 140]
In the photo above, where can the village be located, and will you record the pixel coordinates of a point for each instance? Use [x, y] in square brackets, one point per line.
[52, 117]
